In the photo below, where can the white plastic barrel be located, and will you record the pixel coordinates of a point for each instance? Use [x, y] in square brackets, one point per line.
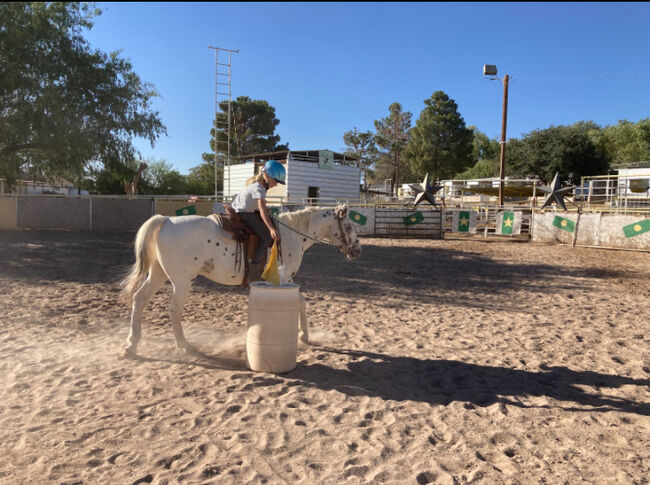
[272, 333]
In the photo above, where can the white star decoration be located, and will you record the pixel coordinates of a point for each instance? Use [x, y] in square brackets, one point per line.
[425, 191]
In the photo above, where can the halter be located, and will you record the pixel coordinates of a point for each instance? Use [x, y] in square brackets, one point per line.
[324, 241]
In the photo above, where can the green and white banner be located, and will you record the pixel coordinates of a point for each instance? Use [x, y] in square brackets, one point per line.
[637, 228]
[509, 223]
[414, 218]
[464, 221]
[186, 211]
[564, 224]
[358, 218]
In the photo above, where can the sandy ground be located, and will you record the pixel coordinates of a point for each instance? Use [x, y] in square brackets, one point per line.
[449, 361]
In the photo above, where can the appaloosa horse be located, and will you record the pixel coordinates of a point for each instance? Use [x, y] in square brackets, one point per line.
[180, 248]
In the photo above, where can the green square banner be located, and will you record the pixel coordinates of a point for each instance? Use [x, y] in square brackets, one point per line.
[414, 218]
[637, 228]
[186, 211]
[463, 221]
[564, 224]
[358, 218]
[507, 223]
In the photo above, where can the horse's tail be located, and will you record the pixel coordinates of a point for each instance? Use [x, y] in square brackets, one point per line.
[145, 256]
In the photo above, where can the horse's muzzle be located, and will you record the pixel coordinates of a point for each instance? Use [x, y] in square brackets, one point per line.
[354, 252]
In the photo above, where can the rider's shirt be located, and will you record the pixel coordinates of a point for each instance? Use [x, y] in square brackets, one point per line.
[246, 200]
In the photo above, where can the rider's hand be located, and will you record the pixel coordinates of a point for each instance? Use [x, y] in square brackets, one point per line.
[275, 235]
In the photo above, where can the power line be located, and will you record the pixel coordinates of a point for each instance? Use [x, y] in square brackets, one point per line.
[563, 77]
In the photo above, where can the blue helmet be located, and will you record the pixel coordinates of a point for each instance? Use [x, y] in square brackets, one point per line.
[275, 170]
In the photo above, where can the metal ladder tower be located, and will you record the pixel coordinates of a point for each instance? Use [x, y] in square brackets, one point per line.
[222, 94]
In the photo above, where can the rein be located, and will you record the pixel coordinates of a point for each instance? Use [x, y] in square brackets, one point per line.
[324, 241]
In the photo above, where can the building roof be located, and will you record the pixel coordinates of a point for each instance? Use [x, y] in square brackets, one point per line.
[299, 155]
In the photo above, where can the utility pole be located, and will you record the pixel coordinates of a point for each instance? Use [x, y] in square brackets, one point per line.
[504, 121]
[491, 70]
[222, 78]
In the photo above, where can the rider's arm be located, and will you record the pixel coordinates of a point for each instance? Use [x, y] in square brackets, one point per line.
[261, 205]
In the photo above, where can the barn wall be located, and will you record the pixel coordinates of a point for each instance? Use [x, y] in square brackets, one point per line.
[341, 182]
[238, 176]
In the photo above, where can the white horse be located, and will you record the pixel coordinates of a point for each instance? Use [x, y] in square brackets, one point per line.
[180, 248]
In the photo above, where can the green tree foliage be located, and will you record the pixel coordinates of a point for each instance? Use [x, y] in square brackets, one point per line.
[568, 150]
[161, 179]
[440, 144]
[200, 180]
[392, 136]
[485, 153]
[626, 142]
[362, 146]
[252, 128]
[65, 105]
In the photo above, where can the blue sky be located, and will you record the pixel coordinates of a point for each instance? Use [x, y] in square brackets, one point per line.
[330, 67]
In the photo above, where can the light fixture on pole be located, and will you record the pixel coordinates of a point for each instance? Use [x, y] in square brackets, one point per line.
[491, 70]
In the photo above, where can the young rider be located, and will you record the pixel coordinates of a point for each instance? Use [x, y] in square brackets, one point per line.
[250, 205]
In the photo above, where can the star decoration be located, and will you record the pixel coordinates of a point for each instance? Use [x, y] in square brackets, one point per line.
[464, 221]
[425, 191]
[508, 222]
[555, 193]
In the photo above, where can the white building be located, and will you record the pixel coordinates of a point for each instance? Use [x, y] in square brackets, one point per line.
[313, 176]
[55, 185]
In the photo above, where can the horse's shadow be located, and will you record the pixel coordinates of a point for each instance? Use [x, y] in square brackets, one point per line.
[445, 381]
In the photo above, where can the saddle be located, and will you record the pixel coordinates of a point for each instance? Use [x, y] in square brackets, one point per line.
[247, 242]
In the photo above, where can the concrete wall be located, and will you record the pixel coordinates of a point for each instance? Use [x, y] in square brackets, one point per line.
[8, 216]
[593, 229]
[169, 207]
[120, 214]
[69, 213]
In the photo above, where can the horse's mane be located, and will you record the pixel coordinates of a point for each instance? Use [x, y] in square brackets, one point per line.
[299, 220]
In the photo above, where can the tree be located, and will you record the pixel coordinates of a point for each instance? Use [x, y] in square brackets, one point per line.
[65, 105]
[362, 146]
[200, 180]
[626, 142]
[485, 153]
[161, 179]
[568, 150]
[392, 136]
[439, 144]
[252, 128]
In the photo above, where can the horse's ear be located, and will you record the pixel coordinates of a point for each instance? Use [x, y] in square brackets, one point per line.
[341, 211]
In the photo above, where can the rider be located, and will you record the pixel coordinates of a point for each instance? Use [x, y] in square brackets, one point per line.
[250, 205]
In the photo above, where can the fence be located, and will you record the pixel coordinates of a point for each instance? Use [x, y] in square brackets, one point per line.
[118, 213]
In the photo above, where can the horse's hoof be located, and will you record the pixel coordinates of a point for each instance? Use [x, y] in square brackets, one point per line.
[128, 353]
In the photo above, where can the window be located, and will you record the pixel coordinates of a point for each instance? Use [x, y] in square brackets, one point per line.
[313, 193]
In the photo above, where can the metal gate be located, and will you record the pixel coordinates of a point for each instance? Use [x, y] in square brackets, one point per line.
[416, 223]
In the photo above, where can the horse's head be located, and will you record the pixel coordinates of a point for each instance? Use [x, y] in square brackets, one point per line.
[342, 234]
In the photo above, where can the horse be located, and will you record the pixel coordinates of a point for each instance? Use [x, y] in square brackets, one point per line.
[178, 249]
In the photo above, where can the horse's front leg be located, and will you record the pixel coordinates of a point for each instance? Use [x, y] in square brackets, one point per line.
[179, 296]
[304, 331]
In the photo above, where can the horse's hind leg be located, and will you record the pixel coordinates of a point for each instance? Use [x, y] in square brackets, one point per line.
[179, 296]
[140, 300]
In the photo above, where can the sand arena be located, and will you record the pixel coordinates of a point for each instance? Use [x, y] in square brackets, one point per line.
[439, 362]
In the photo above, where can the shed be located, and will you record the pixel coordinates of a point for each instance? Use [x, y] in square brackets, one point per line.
[313, 176]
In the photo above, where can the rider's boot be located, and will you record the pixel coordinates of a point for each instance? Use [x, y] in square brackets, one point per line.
[254, 272]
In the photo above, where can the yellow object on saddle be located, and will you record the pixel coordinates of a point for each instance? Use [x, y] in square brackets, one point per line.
[271, 273]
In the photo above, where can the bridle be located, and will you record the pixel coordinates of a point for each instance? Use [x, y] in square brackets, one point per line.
[344, 242]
